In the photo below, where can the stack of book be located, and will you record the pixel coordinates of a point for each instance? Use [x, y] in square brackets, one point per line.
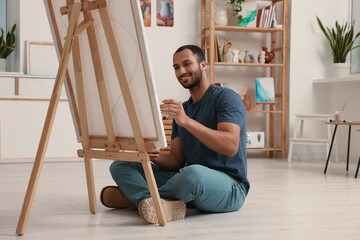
[265, 16]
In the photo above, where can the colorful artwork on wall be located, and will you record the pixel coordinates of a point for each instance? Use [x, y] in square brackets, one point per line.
[146, 12]
[165, 13]
[265, 91]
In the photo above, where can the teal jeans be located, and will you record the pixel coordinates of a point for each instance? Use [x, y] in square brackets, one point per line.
[203, 188]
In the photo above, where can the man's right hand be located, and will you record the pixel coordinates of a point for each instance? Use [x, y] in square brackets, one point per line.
[154, 156]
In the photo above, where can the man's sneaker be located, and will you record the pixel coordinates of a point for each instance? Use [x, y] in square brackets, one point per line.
[173, 210]
[112, 197]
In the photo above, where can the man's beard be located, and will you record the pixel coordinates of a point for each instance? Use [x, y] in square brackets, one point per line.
[196, 81]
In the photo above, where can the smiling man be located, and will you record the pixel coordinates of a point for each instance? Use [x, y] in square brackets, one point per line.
[206, 167]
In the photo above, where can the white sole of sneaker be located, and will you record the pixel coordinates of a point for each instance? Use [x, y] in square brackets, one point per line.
[173, 210]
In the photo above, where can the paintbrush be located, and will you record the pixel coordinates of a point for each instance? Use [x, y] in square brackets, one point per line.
[342, 110]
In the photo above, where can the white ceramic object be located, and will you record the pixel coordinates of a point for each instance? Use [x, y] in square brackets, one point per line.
[2, 64]
[221, 17]
[261, 58]
[235, 58]
[341, 70]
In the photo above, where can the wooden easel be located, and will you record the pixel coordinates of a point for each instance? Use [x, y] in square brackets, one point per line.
[112, 145]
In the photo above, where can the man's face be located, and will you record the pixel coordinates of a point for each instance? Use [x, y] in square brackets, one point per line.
[187, 69]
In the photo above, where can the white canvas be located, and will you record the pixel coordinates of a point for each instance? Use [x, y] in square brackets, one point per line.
[137, 69]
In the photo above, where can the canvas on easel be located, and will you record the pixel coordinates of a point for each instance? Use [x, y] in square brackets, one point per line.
[104, 62]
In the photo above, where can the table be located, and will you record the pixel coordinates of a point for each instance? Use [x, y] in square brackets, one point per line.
[343, 123]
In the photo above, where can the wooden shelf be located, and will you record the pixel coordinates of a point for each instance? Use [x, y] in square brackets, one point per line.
[278, 70]
[247, 29]
[351, 78]
[268, 149]
[249, 64]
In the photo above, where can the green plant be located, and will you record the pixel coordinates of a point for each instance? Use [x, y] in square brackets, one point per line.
[341, 39]
[236, 4]
[7, 45]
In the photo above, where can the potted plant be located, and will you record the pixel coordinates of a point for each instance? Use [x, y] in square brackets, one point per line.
[7, 46]
[341, 40]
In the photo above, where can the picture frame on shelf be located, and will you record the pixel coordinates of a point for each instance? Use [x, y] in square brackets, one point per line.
[265, 90]
[249, 11]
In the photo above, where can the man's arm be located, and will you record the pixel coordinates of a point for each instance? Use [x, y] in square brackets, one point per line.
[224, 140]
[172, 161]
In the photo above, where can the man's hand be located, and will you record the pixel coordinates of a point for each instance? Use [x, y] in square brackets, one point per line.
[154, 156]
[175, 109]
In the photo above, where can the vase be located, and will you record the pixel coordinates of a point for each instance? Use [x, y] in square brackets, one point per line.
[247, 58]
[341, 70]
[247, 102]
[221, 17]
[268, 55]
[2, 64]
[261, 57]
[166, 10]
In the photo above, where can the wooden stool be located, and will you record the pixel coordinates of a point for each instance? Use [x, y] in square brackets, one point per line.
[298, 139]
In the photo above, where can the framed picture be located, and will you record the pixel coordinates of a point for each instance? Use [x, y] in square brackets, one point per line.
[265, 91]
[41, 58]
[165, 13]
[146, 12]
[248, 12]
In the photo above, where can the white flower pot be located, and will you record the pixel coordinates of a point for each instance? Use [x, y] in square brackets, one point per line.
[2, 64]
[341, 70]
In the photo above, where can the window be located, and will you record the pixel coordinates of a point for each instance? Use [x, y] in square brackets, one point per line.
[3, 15]
[355, 54]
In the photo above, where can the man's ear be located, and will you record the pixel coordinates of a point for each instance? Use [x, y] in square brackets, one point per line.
[203, 65]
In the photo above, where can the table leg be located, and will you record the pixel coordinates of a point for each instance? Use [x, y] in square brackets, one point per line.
[331, 145]
[357, 169]
[348, 150]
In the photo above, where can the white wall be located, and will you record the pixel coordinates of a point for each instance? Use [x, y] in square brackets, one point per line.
[310, 58]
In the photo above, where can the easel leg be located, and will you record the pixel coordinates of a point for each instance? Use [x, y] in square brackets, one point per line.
[149, 175]
[90, 185]
[44, 140]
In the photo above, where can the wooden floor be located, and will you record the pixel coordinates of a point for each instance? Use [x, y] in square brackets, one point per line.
[286, 201]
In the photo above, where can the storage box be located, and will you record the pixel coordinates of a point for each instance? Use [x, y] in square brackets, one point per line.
[255, 140]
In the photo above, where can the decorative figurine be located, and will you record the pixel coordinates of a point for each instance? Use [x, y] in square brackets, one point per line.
[226, 48]
[235, 58]
[261, 57]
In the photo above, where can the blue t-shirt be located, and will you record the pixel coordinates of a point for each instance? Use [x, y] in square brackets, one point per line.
[217, 105]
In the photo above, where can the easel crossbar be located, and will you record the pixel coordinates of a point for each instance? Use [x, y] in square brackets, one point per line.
[116, 156]
[86, 6]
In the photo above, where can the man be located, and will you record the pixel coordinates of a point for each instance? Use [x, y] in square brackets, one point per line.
[206, 167]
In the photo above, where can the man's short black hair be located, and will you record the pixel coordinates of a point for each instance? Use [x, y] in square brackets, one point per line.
[199, 54]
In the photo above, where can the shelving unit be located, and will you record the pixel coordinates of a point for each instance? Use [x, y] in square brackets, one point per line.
[280, 82]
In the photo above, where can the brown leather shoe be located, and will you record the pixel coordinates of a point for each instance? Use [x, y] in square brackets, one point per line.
[112, 197]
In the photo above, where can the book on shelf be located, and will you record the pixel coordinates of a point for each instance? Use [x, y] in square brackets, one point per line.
[222, 85]
[207, 48]
[265, 16]
[218, 45]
